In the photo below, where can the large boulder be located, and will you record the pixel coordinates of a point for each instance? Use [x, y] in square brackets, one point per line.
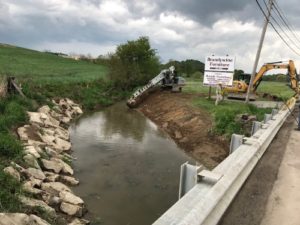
[51, 122]
[62, 144]
[44, 109]
[35, 220]
[13, 172]
[51, 200]
[77, 110]
[21, 219]
[57, 165]
[68, 180]
[70, 198]
[35, 151]
[28, 187]
[22, 132]
[55, 188]
[13, 219]
[35, 182]
[35, 118]
[47, 139]
[32, 203]
[52, 165]
[35, 173]
[62, 133]
[71, 210]
[31, 161]
[51, 177]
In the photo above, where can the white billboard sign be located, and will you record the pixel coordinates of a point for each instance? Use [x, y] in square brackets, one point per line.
[218, 70]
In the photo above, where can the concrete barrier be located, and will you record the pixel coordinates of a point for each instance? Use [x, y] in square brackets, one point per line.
[206, 202]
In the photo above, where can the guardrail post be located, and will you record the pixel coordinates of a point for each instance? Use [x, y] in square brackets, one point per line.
[274, 112]
[255, 127]
[188, 178]
[236, 141]
[267, 117]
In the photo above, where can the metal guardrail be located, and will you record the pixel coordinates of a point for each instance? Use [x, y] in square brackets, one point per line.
[207, 201]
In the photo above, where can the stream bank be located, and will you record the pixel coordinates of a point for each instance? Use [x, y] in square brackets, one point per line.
[188, 126]
[45, 171]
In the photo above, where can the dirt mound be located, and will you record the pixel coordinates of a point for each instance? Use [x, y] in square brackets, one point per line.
[187, 125]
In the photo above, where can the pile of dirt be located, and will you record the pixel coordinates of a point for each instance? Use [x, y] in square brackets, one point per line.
[187, 125]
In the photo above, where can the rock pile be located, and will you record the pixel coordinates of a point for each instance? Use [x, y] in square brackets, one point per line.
[47, 172]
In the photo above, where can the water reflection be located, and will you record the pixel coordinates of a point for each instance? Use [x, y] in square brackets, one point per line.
[128, 169]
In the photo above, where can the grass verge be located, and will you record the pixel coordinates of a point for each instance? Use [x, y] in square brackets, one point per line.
[224, 115]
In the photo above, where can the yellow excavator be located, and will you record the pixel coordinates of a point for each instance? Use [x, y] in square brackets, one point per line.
[239, 88]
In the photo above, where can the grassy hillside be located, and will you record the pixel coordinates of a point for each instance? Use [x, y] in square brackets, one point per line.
[44, 76]
[45, 67]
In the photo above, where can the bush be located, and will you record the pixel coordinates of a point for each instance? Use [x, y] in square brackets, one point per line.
[133, 64]
[225, 122]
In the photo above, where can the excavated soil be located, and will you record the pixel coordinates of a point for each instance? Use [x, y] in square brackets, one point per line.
[187, 125]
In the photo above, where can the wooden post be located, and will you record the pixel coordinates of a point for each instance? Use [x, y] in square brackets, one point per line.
[3, 86]
[209, 93]
[13, 87]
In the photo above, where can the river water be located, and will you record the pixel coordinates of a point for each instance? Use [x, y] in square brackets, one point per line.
[128, 169]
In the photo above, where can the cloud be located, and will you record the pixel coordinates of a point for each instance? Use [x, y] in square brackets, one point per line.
[177, 29]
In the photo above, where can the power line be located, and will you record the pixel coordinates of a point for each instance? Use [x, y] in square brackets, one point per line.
[285, 19]
[291, 48]
[281, 28]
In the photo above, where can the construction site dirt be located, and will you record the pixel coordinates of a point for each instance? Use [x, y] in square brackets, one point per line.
[188, 126]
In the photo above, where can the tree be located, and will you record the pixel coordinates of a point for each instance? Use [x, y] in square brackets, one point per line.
[187, 67]
[133, 64]
[237, 74]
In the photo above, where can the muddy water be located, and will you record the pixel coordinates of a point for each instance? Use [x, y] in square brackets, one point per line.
[128, 169]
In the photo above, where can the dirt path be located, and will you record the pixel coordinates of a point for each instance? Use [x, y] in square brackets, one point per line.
[187, 125]
[249, 206]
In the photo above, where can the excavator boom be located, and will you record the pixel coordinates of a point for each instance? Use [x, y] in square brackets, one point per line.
[169, 79]
[239, 88]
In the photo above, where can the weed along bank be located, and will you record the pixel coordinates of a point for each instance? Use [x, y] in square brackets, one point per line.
[45, 172]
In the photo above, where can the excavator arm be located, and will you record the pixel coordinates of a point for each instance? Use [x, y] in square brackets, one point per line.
[239, 88]
[277, 65]
[167, 76]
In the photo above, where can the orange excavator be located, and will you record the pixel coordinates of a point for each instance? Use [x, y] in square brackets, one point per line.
[239, 88]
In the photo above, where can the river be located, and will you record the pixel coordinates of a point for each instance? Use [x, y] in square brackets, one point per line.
[128, 169]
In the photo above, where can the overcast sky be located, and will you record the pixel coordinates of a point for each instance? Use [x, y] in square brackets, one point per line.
[178, 29]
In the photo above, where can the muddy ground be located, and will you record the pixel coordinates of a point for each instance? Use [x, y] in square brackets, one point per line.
[187, 125]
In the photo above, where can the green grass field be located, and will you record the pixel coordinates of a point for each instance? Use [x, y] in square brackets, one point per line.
[280, 89]
[43, 67]
[44, 76]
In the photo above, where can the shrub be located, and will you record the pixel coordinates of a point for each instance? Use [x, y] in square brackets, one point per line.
[133, 64]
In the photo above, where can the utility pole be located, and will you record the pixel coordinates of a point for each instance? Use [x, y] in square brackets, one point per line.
[259, 49]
